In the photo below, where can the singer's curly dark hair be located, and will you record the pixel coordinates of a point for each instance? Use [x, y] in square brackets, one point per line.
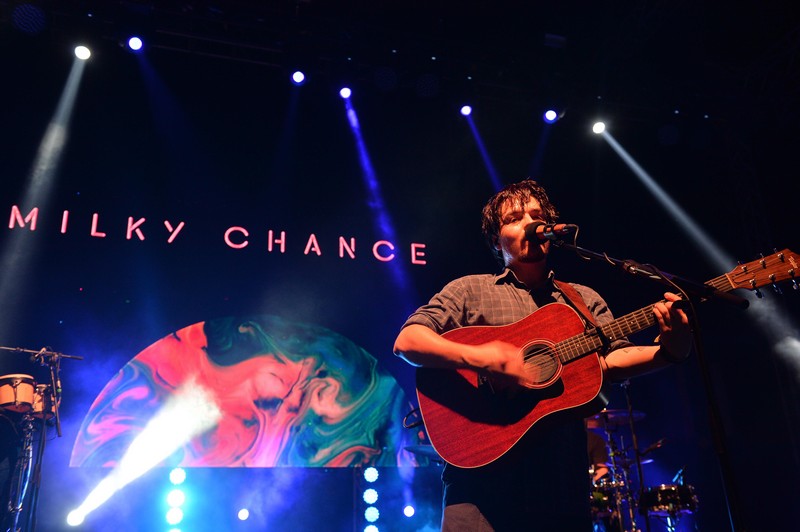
[518, 194]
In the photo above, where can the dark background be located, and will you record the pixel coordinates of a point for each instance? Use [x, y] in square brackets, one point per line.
[204, 127]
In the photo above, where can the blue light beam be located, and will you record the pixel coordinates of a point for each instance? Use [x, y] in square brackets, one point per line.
[777, 328]
[375, 199]
[487, 162]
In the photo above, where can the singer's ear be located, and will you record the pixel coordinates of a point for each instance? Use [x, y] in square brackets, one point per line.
[496, 243]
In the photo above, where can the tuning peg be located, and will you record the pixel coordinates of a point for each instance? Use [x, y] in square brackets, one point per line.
[774, 285]
[794, 285]
[754, 288]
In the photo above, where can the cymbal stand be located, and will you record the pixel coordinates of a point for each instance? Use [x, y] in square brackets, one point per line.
[619, 487]
[627, 491]
[21, 476]
[626, 385]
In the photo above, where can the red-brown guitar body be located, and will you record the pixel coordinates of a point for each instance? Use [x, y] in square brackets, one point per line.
[469, 426]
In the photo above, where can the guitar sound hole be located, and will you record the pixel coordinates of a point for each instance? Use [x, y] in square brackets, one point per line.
[541, 363]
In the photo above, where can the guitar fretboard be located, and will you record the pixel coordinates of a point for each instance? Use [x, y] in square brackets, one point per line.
[594, 340]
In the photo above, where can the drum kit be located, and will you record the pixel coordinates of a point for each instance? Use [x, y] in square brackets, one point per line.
[27, 406]
[613, 499]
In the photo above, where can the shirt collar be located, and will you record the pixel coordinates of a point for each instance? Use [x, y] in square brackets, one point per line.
[508, 276]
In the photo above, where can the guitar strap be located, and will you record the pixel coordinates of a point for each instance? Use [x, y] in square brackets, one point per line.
[576, 301]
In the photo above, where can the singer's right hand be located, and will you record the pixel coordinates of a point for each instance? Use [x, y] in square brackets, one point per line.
[502, 362]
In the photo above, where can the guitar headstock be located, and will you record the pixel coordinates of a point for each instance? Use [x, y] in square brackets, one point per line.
[780, 266]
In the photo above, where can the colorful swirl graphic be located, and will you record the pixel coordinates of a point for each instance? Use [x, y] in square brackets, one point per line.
[290, 394]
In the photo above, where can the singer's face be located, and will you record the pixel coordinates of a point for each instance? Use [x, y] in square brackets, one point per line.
[516, 248]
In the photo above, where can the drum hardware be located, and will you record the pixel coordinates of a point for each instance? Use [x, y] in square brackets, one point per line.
[611, 494]
[615, 499]
[607, 420]
[35, 406]
[669, 501]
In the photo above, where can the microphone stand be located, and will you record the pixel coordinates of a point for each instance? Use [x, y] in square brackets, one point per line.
[702, 292]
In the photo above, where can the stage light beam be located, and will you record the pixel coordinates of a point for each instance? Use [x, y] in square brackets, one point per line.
[190, 411]
[375, 202]
[487, 162]
[780, 331]
[16, 256]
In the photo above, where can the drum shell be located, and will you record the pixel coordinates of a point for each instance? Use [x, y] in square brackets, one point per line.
[603, 498]
[38, 402]
[668, 500]
[17, 393]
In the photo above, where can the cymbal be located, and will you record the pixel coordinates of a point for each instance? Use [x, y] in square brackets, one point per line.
[423, 450]
[623, 462]
[610, 419]
[627, 462]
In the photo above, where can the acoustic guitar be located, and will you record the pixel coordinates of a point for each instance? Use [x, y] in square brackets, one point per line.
[470, 426]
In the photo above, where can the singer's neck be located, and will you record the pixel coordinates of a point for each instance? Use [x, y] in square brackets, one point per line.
[532, 274]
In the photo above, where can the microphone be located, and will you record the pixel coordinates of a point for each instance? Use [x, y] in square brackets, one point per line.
[37, 357]
[544, 231]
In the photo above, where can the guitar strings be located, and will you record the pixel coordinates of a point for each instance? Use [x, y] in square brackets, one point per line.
[581, 344]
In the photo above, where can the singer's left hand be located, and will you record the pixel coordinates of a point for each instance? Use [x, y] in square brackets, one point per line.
[676, 334]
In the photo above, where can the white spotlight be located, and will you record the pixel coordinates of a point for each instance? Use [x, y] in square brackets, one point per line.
[174, 516]
[370, 474]
[345, 93]
[177, 475]
[298, 78]
[466, 110]
[372, 514]
[370, 496]
[598, 127]
[135, 43]
[243, 514]
[82, 52]
[176, 498]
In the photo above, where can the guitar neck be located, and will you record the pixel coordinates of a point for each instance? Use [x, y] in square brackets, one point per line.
[594, 340]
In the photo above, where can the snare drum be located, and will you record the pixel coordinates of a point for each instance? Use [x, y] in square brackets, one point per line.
[16, 393]
[603, 500]
[669, 500]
